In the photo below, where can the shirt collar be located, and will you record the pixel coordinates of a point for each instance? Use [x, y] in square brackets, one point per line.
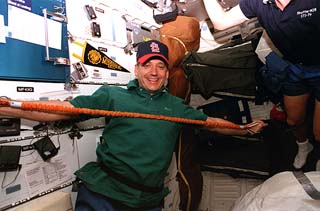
[134, 84]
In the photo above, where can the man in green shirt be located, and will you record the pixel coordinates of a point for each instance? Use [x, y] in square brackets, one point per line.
[135, 153]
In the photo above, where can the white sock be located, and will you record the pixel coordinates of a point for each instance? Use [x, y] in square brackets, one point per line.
[303, 150]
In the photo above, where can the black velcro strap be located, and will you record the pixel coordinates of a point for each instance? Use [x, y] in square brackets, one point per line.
[27, 147]
[130, 183]
[307, 185]
[166, 17]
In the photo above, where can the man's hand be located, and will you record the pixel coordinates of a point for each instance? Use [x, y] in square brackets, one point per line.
[255, 126]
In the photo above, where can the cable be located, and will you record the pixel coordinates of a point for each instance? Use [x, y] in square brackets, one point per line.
[14, 179]
[4, 97]
[179, 41]
[183, 177]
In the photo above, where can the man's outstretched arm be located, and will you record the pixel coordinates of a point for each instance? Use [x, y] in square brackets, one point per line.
[252, 128]
[222, 19]
[37, 115]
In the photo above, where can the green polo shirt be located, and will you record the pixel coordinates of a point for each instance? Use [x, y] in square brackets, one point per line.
[139, 149]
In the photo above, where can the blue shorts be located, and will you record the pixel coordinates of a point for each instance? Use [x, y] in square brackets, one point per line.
[91, 201]
[307, 82]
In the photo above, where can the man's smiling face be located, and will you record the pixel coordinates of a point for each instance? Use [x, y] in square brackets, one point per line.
[152, 75]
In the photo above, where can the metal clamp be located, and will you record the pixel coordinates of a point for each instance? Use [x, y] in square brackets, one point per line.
[58, 17]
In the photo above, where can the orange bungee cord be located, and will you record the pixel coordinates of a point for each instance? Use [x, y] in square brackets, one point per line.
[32, 106]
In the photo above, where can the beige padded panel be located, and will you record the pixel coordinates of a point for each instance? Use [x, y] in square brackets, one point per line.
[56, 201]
[220, 191]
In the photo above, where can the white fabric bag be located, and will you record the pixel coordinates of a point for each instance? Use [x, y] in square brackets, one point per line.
[282, 192]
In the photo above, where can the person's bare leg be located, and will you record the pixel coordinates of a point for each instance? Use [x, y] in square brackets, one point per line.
[316, 121]
[316, 127]
[296, 108]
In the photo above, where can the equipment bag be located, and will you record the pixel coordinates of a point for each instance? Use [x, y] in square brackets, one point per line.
[229, 70]
[236, 156]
